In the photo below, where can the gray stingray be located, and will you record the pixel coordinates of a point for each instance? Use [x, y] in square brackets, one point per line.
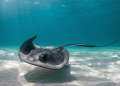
[47, 57]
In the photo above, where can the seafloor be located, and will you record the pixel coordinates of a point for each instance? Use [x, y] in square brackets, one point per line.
[88, 67]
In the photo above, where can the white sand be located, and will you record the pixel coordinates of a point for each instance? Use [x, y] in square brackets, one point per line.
[88, 67]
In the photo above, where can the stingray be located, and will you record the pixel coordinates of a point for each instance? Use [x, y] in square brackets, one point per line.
[47, 57]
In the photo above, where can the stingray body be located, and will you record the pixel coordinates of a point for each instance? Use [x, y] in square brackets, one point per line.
[47, 57]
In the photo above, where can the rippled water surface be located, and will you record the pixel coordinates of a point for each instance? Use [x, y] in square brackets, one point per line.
[56, 23]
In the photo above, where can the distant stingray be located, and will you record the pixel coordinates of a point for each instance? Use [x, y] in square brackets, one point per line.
[47, 57]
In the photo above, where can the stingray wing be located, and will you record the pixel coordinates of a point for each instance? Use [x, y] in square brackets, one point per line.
[26, 48]
[54, 61]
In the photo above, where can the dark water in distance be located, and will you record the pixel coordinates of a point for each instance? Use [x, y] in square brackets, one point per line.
[59, 22]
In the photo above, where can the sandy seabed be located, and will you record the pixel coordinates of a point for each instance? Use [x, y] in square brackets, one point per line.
[88, 67]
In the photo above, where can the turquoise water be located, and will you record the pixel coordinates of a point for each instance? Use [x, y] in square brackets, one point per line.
[59, 22]
[56, 23]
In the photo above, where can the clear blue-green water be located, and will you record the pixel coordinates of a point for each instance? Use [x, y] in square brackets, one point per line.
[59, 22]
[56, 23]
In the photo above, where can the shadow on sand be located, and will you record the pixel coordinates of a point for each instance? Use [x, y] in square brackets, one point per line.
[42, 75]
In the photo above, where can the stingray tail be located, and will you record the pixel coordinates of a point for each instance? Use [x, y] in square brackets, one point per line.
[86, 45]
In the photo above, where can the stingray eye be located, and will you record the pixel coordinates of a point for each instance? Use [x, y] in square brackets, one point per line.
[43, 57]
[32, 51]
